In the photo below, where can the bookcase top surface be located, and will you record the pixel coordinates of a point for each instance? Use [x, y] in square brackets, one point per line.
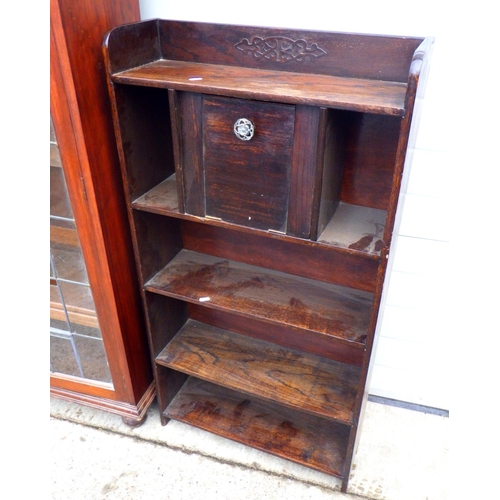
[294, 88]
[349, 71]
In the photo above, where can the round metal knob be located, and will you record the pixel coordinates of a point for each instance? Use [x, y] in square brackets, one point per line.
[244, 129]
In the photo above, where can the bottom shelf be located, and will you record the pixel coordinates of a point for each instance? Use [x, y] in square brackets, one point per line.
[302, 438]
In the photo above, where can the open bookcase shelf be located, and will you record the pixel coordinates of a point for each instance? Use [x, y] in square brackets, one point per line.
[325, 90]
[352, 227]
[299, 380]
[266, 295]
[316, 442]
[262, 168]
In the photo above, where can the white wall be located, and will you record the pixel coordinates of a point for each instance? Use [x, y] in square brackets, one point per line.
[413, 358]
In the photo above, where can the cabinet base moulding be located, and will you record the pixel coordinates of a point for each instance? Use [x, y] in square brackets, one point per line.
[132, 415]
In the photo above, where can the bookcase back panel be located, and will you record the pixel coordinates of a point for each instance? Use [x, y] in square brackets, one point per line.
[356, 56]
[370, 159]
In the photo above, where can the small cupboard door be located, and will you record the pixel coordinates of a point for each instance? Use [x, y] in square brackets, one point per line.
[247, 159]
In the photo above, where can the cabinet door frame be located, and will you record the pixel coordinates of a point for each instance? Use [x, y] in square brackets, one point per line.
[80, 111]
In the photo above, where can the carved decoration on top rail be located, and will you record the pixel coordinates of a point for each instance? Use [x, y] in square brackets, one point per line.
[280, 49]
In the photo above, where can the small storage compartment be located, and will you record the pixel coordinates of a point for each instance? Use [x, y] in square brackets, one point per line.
[247, 159]
[263, 165]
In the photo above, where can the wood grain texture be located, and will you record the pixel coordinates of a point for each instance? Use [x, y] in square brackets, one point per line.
[144, 137]
[357, 228]
[304, 381]
[190, 160]
[337, 256]
[314, 442]
[83, 124]
[285, 335]
[77, 305]
[352, 226]
[343, 231]
[372, 96]
[370, 156]
[345, 54]
[417, 81]
[263, 305]
[329, 185]
[265, 294]
[98, 395]
[281, 253]
[306, 171]
[407, 135]
[247, 182]
[163, 198]
[131, 45]
[174, 100]
[157, 241]
[63, 237]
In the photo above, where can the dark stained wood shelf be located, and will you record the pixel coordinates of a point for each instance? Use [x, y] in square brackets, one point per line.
[274, 296]
[356, 228]
[352, 227]
[299, 380]
[354, 94]
[304, 439]
[162, 199]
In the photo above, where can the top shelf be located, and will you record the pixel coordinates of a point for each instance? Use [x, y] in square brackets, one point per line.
[355, 94]
[357, 72]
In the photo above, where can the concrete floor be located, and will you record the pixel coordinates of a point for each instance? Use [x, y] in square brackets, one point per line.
[403, 455]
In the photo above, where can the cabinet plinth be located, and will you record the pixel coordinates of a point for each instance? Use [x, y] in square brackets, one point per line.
[262, 168]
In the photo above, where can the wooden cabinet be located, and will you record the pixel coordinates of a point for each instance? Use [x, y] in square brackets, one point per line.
[89, 167]
[262, 169]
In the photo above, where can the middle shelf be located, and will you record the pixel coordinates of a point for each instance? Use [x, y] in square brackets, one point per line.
[308, 382]
[352, 227]
[265, 294]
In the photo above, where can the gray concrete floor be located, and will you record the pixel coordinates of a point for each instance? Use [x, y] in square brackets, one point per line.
[403, 455]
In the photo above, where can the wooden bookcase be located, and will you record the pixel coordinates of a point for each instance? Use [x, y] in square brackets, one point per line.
[263, 260]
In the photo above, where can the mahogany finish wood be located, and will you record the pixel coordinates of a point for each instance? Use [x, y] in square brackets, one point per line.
[84, 129]
[315, 442]
[273, 299]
